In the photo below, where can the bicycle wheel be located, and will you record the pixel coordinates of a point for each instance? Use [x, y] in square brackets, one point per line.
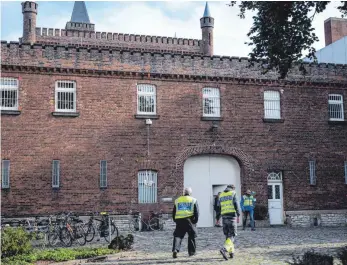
[53, 238]
[80, 235]
[133, 225]
[155, 224]
[65, 237]
[90, 233]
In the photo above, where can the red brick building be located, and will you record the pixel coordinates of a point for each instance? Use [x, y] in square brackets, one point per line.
[95, 121]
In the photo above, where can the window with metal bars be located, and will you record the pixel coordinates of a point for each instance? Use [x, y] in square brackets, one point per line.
[335, 107]
[211, 102]
[146, 99]
[313, 178]
[9, 93]
[147, 185]
[65, 96]
[103, 174]
[5, 174]
[345, 172]
[272, 105]
[56, 174]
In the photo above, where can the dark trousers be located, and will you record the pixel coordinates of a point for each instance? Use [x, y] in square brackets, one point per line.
[184, 226]
[229, 227]
[218, 215]
[251, 217]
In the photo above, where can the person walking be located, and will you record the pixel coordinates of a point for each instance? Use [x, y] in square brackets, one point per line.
[230, 210]
[247, 206]
[216, 207]
[186, 215]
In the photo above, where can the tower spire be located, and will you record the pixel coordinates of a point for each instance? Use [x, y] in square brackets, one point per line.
[207, 12]
[80, 13]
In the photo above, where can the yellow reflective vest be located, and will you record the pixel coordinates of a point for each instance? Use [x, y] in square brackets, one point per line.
[247, 201]
[184, 207]
[227, 202]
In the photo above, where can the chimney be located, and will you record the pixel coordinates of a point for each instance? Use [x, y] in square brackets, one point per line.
[334, 29]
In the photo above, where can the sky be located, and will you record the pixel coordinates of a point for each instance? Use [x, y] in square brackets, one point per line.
[153, 18]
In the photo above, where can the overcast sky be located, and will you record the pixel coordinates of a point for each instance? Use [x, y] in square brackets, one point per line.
[152, 18]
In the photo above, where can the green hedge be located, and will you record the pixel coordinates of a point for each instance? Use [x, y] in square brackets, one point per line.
[15, 241]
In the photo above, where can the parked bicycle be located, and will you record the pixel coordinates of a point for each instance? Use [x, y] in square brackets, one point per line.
[102, 229]
[73, 229]
[154, 222]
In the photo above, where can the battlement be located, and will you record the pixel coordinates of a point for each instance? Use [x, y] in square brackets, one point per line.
[65, 37]
[116, 59]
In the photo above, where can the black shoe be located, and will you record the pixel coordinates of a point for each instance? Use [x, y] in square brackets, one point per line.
[192, 254]
[224, 253]
[231, 255]
[253, 229]
[174, 254]
[243, 228]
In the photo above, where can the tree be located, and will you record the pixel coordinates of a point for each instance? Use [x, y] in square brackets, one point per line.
[282, 31]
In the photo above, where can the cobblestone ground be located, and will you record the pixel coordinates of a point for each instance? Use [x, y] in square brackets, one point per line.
[265, 246]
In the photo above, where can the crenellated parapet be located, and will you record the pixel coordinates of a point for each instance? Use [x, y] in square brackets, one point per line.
[80, 38]
[114, 59]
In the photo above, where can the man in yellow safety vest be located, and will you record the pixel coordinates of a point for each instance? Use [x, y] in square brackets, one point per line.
[230, 210]
[185, 214]
[247, 206]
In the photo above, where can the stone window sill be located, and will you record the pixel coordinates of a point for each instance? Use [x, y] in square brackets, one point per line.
[66, 114]
[273, 120]
[211, 118]
[337, 122]
[10, 112]
[146, 116]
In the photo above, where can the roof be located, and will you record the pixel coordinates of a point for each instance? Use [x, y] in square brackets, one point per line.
[207, 12]
[335, 53]
[80, 13]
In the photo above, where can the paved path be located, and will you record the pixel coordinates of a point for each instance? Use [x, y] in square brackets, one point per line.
[266, 246]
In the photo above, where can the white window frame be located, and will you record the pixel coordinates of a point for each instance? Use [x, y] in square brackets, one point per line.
[345, 172]
[56, 174]
[147, 186]
[103, 173]
[147, 91]
[212, 95]
[9, 84]
[5, 174]
[272, 104]
[65, 86]
[336, 99]
[313, 177]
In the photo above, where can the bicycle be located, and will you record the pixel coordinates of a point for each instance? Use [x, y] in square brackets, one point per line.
[73, 230]
[154, 222]
[102, 229]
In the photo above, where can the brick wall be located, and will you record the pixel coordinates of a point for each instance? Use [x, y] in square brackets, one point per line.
[107, 130]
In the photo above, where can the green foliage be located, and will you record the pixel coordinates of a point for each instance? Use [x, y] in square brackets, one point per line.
[312, 258]
[282, 31]
[342, 255]
[260, 212]
[57, 255]
[15, 241]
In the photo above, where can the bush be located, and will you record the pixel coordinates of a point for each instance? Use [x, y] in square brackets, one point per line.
[260, 212]
[312, 258]
[342, 255]
[15, 241]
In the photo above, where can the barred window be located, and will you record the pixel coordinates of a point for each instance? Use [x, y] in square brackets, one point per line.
[9, 93]
[345, 172]
[56, 174]
[5, 174]
[146, 99]
[335, 107]
[313, 178]
[65, 96]
[211, 102]
[147, 184]
[272, 105]
[103, 174]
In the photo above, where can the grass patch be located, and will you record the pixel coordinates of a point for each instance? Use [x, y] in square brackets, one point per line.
[57, 255]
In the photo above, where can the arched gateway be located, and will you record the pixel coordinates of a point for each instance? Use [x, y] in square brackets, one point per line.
[208, 170]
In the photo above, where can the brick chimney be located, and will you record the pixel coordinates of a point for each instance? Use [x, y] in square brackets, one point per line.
[334, 29]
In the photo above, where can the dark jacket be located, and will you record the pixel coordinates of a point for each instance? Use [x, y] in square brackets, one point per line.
[236, 205]
[216, 205]
[194, 218]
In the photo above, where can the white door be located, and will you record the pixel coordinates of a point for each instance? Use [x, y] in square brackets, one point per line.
[202, 173]
[275, 203]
